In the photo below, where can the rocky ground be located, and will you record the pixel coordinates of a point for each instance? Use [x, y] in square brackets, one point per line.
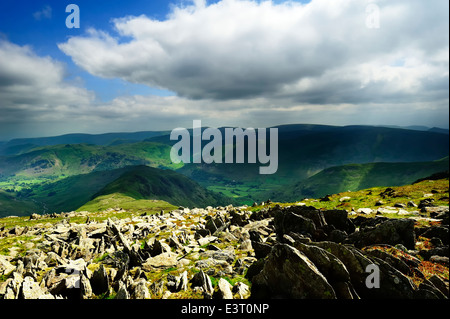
[269, 251]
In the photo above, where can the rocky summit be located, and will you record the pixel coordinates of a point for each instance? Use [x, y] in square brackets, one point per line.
[269, 251]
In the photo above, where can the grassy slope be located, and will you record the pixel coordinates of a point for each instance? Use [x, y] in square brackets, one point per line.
[305, 150]
[358, 176]
[367, 198]
[133, 182]
[144, 182]
[11, 205]
[117, 200]
[73, 159]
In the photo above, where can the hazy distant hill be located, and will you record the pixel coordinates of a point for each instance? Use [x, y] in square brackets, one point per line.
[20, 145]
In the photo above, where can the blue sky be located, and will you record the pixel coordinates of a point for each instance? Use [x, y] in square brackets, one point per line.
[31, 23]
[27, 23]
[151, 65]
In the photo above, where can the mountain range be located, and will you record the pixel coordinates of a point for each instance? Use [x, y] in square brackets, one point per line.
[66, 172]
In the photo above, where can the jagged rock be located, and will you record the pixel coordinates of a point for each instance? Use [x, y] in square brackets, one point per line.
[427, 202]
[339, 219]
[444, 260]
[355, 266]
[366, 211]
[122, 292]
[211, 225]
[118, 259]
[54, 259]
[439, 232]
[411, 204]
[261, 249]
[240, 291]
[30, 289]
[100, 281]
[214, 266]
[329, 265]
[288, 273]
[73, 267]
[391, 232]
[439, 284]
[246, 245]
[164, 260]
[287, 221]
[11, 288]
[171, 283]
[35, 216]
[5, 266]
[155, 247]
[65, 285]
[141, 290]
[182, 282]
[337, 236]
[439, 251]
[431, 289]
[223, 290]
[206, 240]
[201, 280]
[135, 258]
[85, 286]
[202, 232]
[157, 287]
[395, 262]
[227, 255]
[238, 218]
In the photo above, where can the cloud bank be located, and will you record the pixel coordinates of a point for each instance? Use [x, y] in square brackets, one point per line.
[247, 63]
[317, 53]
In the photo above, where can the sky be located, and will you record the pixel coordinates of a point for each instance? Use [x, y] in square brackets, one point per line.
[157, 65]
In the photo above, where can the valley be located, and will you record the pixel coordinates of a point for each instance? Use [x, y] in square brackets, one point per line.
[40, 175]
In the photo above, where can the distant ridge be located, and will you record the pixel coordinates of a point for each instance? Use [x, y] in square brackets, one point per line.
[12, 146]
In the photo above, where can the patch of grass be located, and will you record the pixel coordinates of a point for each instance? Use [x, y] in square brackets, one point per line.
[368, 198]
[117, 200]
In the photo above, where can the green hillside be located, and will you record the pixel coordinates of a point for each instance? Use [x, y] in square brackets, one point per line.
[130, 204]
[313, 160]
[10, 205]
[73, 159]
[133, 182]
[305, 150]
[144, 182]
[355, 177]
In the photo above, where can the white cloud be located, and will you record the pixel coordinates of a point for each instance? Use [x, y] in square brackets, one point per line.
[245, 63]
[244, 49]
[34, 87]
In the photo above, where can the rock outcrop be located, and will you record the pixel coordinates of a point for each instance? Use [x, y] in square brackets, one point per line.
[224, 252]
